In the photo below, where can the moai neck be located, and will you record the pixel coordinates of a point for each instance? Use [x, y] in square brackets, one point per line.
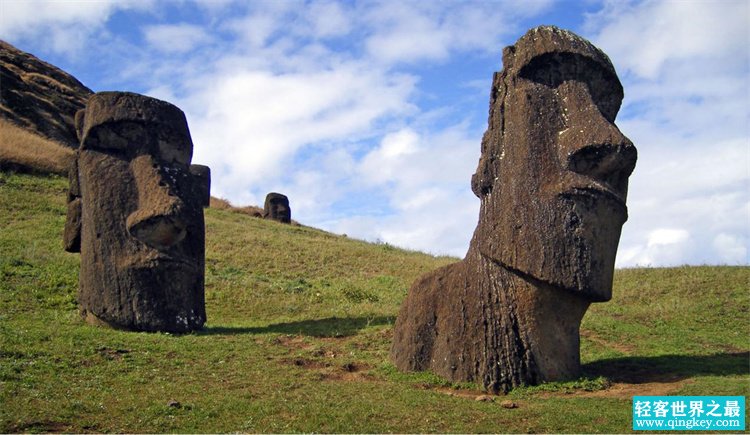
[539, 325]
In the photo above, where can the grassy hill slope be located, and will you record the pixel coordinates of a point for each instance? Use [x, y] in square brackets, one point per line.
[298, 335]
[23, 150]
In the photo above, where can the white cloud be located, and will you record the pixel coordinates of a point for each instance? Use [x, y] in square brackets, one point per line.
[252, 123]
[63, 26]
[644, 37]
[329, 19]
[731, 249]
[214, 6]
[407, 159]
[176, 38]
[426, 176]
[408, 34]
[413, 31]
[434, 221]
[664, 246]
[667, 236]
[387, 160]
[255, 29]
[701, 189]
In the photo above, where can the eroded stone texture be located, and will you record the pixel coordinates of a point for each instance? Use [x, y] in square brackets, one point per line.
[552, 180]
[277, 208]
[135, 213]
[39, 97]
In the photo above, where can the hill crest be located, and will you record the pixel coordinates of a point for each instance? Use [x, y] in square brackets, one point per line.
[38, 96]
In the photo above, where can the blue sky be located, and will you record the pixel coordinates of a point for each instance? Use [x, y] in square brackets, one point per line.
[369, 115]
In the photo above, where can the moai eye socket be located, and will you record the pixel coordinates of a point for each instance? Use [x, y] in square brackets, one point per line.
[133, 138]
[553, 69]
[117, 137]
[174, 147]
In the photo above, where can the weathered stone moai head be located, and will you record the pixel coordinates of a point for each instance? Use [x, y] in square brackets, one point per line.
[553, 173]
[277, 208]
[135, 213]
[552, 180]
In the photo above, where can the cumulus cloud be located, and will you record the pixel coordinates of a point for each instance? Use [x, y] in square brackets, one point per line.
[695, 184]
[417, 226]
[329, 19]
[413, 31]
[252, 123]
[64, 27]
[663, 245]
[731, 248]
[425, 175]
[176, 38]
[671, 31]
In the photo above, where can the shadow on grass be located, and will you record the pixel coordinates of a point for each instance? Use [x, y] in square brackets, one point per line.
[669, 368]
[329, 327]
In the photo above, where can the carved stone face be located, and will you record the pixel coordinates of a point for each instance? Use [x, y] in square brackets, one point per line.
[277, 208]
[141, 213]
[554, 168]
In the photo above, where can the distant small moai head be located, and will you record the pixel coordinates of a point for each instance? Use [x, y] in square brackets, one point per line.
[135, 213]
[277, 208]
[553, 173]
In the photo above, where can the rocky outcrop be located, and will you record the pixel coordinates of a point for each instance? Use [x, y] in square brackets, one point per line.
[39, 97]
[552, 179]
[135, 213]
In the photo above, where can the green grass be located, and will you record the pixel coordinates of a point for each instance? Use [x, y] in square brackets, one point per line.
[299, 327]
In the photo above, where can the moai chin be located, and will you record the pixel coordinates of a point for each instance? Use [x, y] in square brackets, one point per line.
[135, 213]
[277, 208]
[552, 179]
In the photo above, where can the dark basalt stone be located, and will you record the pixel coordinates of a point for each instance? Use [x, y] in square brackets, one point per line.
[552, 179]
[135, 213]
[277, 208]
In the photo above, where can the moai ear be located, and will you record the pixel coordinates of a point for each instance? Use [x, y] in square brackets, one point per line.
[72, 233]
[484, 178]
[78, 120]
[202, 182]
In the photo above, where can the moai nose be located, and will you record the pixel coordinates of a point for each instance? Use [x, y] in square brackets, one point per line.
[592, 145]
[157, 220]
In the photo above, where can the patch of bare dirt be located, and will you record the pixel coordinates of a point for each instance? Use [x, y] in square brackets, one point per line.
[305, 363]
[350, 372]
[112, 354]
[466, 394]
[331, 371]
[477, 396]
[41, 426]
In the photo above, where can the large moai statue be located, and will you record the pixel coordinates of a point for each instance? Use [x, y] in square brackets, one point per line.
[552, 180]
[135, 213]
[277, 208]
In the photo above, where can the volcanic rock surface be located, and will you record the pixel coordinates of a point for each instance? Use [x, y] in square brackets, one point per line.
[135, 213]
[39, 97]
[552, 180]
